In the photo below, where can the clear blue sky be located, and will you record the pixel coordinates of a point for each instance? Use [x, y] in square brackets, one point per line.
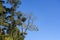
[48, 18]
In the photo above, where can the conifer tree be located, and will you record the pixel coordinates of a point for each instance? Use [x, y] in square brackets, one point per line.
[12, 23]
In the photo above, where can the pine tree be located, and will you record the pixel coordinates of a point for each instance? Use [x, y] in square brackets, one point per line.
[10, 20]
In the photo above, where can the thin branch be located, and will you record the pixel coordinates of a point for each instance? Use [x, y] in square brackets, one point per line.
[28, 23]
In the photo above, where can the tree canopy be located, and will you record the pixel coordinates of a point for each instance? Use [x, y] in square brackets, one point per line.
[13, 24]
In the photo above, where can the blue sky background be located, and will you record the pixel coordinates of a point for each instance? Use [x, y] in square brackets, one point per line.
[48, 18]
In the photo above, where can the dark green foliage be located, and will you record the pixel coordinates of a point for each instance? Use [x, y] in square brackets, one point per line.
[23, 19]
[2, 1]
